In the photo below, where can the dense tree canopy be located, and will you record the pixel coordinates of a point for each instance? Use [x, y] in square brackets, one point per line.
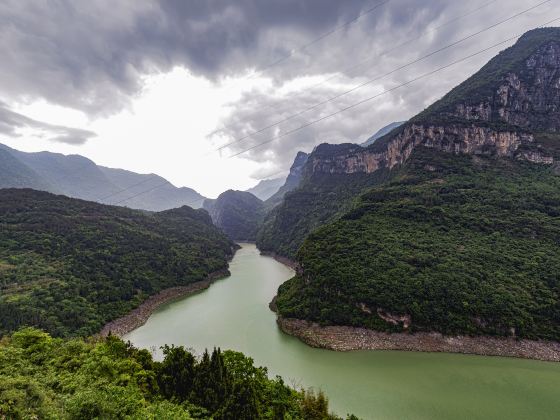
[68, 266]
[52, 378]
[461, 244]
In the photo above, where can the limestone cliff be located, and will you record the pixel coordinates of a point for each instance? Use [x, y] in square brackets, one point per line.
[498, 112]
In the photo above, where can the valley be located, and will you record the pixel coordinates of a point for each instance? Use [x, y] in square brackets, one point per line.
[413, 273]
[233, 313]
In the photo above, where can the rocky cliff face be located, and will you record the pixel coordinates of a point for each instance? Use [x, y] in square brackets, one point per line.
[529, 98]
[451, 138]
[292, 181]
[495, 112]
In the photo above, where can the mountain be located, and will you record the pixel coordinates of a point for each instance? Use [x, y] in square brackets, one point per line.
[69, 266]
[79, 177]
[292, 180]
[463, 237]
[308, 200]
[149, 191]
[266, 188]
[381, 132]
[237, 213]
[15, 173]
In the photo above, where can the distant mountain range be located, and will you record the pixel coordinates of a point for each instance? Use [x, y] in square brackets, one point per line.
[78, 177]
[381, 132]
[267, 188]
[240, 214]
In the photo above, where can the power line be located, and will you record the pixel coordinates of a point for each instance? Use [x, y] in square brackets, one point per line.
[361, 85]
[321, 37]
[383, 53]
[370, 98]
[187, 204]
[314, 41]
[150, 177]
[292, 52]
[382, 93]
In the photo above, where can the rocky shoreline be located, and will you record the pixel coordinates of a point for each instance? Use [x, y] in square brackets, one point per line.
[282, 260]
[341, 338]
[138, 317]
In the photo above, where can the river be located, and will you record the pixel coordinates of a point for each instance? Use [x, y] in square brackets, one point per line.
[233, 314]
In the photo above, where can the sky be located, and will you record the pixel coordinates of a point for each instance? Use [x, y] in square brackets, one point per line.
[211, 94]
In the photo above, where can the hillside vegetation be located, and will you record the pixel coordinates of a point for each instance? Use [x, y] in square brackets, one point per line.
[237, 213]
[46, 378]
[319, 199]
[459, 244]
[69, 266]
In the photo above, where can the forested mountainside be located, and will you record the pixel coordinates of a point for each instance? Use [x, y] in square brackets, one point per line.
[48, 378]
[317, 200]
[464, 236]
[69, 266]
[267, 188]
[455, 244]
[237, 213]
[79, 177]
[513, 107]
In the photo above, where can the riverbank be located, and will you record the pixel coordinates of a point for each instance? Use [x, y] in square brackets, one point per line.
[138, 317]
[340, 338]
[282, 260]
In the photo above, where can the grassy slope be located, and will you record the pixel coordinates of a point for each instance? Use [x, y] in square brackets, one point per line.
[69, 266]
[462, 244]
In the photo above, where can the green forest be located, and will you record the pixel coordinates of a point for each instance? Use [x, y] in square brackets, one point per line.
[69, 266]
[42, 377]
[461, 244]
[318, 200]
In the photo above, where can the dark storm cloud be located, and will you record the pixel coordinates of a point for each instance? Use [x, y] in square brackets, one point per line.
[417, 29]
[11, 122]
[93, 56]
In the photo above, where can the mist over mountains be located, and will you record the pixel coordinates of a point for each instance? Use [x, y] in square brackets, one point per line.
[78, 177]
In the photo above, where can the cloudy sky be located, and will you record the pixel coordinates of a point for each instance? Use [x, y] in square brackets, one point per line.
[183, 88]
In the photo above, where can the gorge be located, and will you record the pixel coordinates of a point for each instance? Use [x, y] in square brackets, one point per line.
[234, 313]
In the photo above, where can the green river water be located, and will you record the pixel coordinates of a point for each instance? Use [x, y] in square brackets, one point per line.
[233, 314]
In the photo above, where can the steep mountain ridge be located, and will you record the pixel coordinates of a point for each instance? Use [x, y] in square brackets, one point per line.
[462, 237]
[498, 111]
[508, 109]
[292, 180]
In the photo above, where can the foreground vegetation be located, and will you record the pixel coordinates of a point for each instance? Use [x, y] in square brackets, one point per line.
[461, 244]
[69, 266]
[49, 378]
